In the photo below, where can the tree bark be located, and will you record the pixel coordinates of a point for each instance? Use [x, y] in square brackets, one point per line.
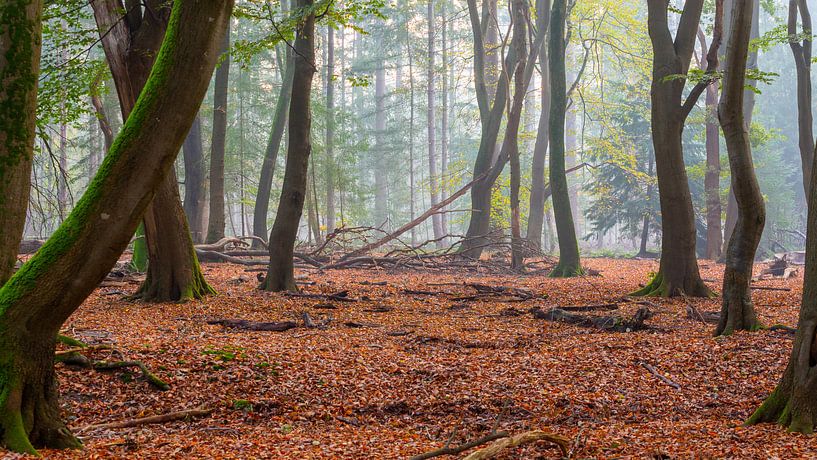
[802, 62]
[569, 260]
[712, 177]
[131, 47]
[792, 404]
[194, 181]
[536, 215]
[678, 271]
[215, 227]
[279, 123]
[381, 192]
[51, 286]
[511, 141]
[436, 219]
[280, 275]
[737, 312]
[20, 42]
[330, 130]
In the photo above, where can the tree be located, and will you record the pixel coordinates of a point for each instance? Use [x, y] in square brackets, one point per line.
[280, 275]
[714, 232]
[792, 404]
[536, 218]
[131, 45]
[194, 181]
[21, 21]
[569, 261]
[330, 129]
[56, 280]
[436, 219]
[678, 271]
[801, 50]
[737, 312]
[279, 123]
[491, 115]
[215, 228]
[511, 142]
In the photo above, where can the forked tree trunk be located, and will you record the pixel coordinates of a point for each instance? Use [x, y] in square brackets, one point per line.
[569, 261]
[281, 272]
[19, 67]
[51, 286]
[491, 114]
[215, 227]
[131, 45]
[737, 312]
[678, 271]
[536, 217]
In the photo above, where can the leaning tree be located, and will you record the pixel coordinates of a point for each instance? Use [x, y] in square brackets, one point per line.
[737, 312]
[21, 22]
[36, 301]
[678, 272]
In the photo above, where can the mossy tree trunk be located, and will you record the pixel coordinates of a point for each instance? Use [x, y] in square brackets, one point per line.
[36, 301]
[281, 272]
[20, 42]
[793, 404]
[737, 312]
[569, 260]
[131, 45]
[678, 271]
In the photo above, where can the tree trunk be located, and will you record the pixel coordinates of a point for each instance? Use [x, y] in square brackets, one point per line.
[19, 68]
[712, 177]
[737, 312]
[678, 271]
[381, 193]
[330, 130]
[281, 272]
[279, 123]
[802, 62]
[444, 122]
[412, 182]
[131, 47]
[194, 181]
[569, 261]
[536, 215]
[436, 219]
[215, 227]
[52, 285]
[511, 141]
[491, 115]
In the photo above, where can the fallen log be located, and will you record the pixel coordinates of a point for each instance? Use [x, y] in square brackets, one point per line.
[461, 448]
[711, 317]
[29, 246]
[163, 418]
[254, 325]
[603, 307]
[341, 296]
[607, 323]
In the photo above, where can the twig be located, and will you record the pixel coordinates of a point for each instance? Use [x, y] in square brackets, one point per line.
[163, 418]
[655, 372]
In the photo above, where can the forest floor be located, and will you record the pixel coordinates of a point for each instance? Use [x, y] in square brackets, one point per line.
[395, 373]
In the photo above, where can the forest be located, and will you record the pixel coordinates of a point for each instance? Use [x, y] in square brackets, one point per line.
[407, 229]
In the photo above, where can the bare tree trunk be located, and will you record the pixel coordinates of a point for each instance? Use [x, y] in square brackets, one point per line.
[737, 312]
[194, 181]
[802, 63]
[569, 260]
[330, 130]
[712, 177]
[22, 21]
[444, 119]
[536, 215]
[87, 245]
[280, 275]
[381, 197]
[678, 272]
[436, 219]
[412, 182]
[215, 227]
[511, 141]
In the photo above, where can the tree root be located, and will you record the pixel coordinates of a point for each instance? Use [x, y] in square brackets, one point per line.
[566, 271]
[147, 375]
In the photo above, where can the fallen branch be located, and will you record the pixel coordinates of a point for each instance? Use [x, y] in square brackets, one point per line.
[221, 244]
[341, 296]
[655, 372]
[461, 448]
[711, 317]
[519, 440]
[769, 288]
[254, 325]
[163, 418]
[603, 307]
[784, 328]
